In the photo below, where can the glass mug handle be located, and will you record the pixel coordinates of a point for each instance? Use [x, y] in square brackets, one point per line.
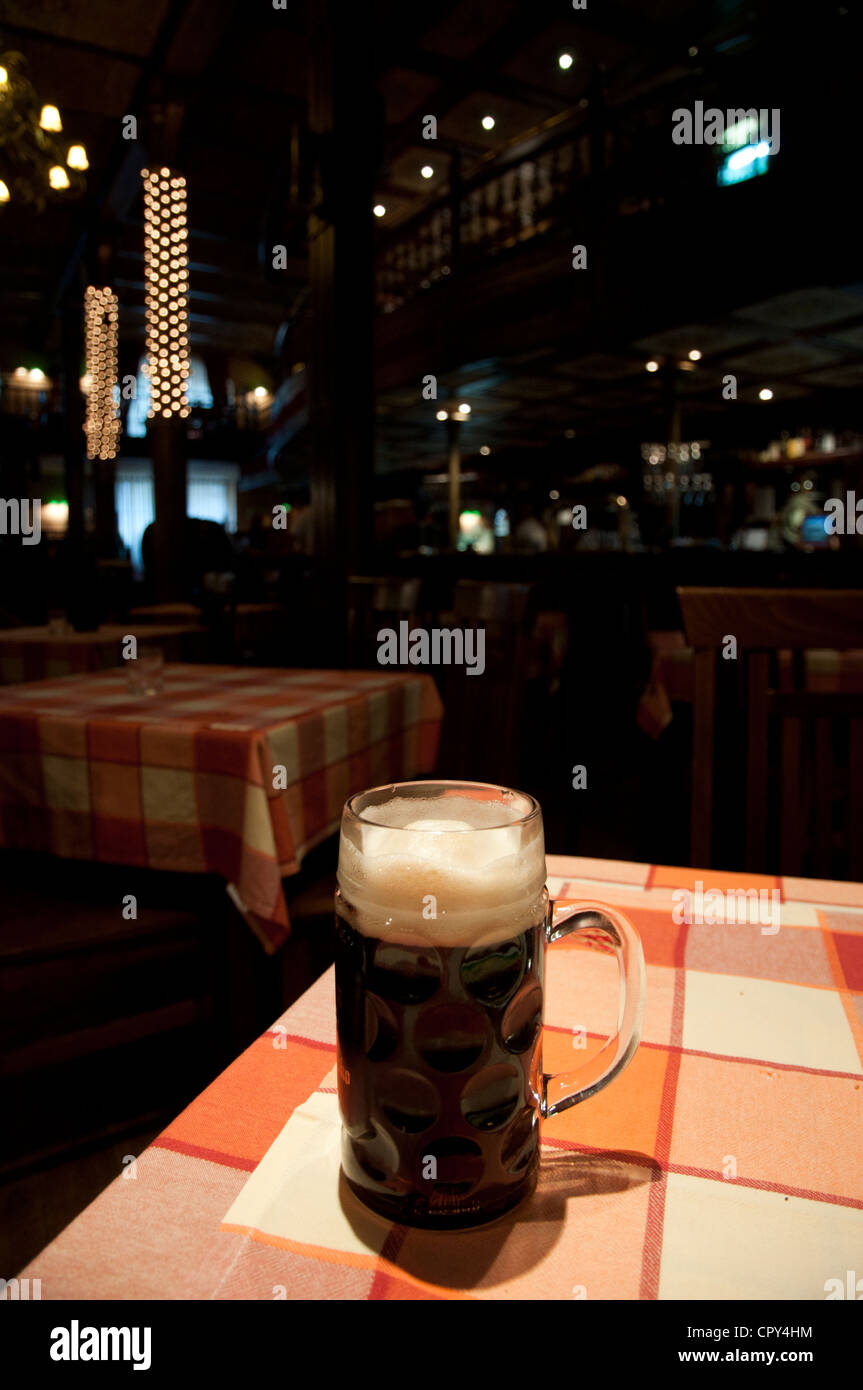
[603, 929]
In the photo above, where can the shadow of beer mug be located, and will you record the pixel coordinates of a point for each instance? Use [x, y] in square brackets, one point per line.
[540, 1231]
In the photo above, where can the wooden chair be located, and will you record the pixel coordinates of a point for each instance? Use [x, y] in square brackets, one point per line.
[817, 737]
[375, 603]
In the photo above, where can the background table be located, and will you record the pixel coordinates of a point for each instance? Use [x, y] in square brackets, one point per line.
[37, 653]
[672, 677]
[232, 770]
[249, 623]
[726, 1161]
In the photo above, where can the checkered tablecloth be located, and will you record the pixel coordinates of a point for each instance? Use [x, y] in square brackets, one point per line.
[725, 1162]
[236, 771]
[37, 653]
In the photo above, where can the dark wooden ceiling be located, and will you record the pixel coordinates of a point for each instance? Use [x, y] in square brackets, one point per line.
[237, 71]
[236, 74]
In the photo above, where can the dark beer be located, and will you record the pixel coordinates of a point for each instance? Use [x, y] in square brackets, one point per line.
[439, 1071]
[442, 918]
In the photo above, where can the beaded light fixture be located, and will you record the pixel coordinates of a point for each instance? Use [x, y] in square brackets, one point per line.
[102, 424]
[166, 260]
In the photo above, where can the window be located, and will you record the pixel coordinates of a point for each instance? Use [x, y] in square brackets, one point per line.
[211, 495]
[133, 499]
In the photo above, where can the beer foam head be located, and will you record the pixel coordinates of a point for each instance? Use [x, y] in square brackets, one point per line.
[452, 869]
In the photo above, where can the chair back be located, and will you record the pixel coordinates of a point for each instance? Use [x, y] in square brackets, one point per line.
[796, 738]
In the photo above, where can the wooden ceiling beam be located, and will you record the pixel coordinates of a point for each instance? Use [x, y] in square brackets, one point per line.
[487, 79]
[465, 77]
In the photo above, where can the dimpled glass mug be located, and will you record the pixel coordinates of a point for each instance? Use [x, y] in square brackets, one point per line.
[442, 920]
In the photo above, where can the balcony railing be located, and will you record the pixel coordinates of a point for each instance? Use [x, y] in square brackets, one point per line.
[497, 211]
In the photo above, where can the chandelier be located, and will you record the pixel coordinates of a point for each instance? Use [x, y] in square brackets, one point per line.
[36, 162]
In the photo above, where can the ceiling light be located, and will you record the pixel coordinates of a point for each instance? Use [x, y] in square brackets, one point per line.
[565, 61]
[441, 415]
[694, 355]
[765, 394]
[484, 450]
[50, 119]
[4, 192]
[36, 374]
[260, 392]
[77, 157]
[488, 122]
[554, 495]
[464, 408]
[379, 210]
[651, 366]
[4, 77]
[427, 171]
[57, 177]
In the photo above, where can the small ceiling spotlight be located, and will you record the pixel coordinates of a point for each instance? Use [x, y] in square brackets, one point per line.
[651, 366]
[379, 210]
[694, 355]
[427, 171]
[765, 394]
[565, 61]
[488, 122]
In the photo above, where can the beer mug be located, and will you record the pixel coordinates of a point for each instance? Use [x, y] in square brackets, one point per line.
[442, 920]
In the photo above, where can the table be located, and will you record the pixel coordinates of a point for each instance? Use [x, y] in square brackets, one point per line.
[237, 771]
[37, 653]
[726, 1161]
[250, 622]
[672, 679]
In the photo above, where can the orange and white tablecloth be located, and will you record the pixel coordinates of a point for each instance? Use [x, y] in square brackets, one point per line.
[236, 771]
[726, 1162]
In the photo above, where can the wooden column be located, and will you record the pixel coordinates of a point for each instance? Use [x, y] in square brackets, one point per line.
[104, 480]
[168, 444]
[452, 429]
[72, 328]
[344, 126]
[670, 377]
